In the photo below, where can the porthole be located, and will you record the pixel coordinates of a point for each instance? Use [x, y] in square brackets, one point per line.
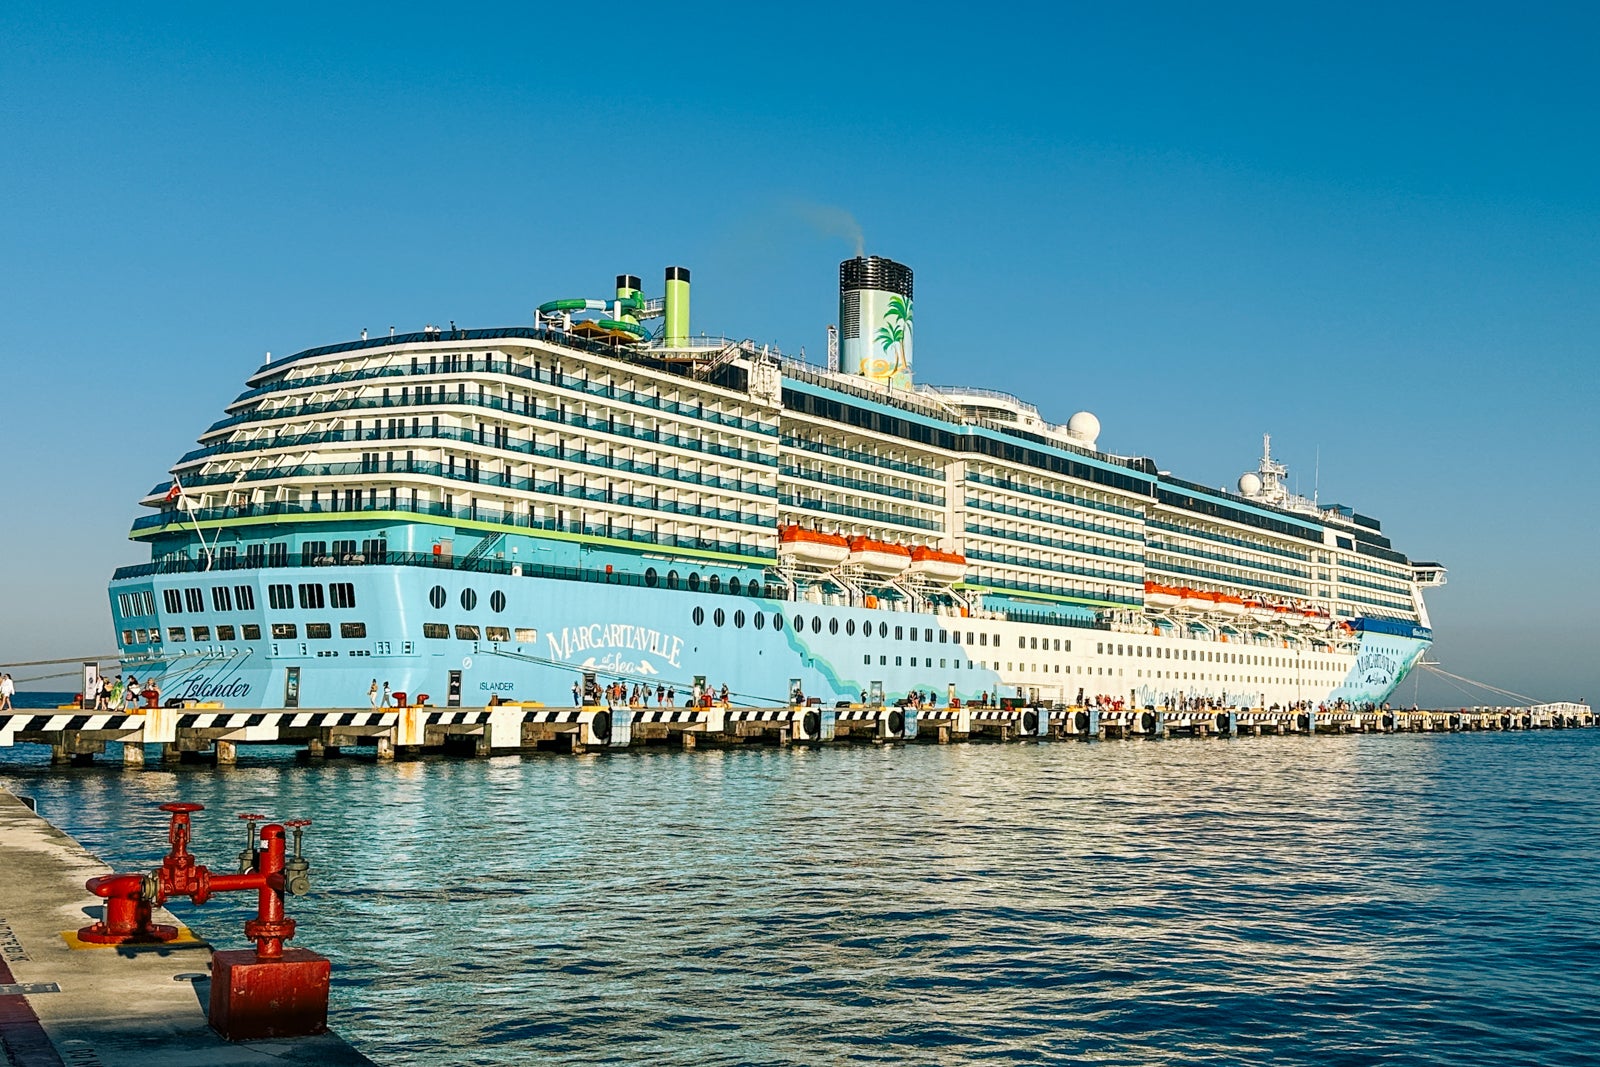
[699, 616]
[651, 577]
[850, 628]
[833, 626]
[436, 596]
[694, 581]
[718, 618]
[760, 620]
[777, 620]
[734, 586]
[715, 583]
[672, 579]
[497, 601]
[816, 624]
[883, 629]
[469, 599]
[799, 624]
[738, 620]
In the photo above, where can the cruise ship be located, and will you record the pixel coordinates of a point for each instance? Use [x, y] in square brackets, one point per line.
[537, 513]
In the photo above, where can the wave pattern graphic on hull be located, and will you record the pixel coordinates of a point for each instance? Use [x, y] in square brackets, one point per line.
[1337, 901]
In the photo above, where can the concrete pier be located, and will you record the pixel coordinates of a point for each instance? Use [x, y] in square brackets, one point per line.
[138, 1006]
[215, 736]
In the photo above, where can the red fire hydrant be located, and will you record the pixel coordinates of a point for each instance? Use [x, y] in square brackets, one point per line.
[271, 992]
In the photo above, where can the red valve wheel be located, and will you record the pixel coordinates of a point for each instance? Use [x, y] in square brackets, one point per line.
[295, 824]
[183, 807]
[251, 817]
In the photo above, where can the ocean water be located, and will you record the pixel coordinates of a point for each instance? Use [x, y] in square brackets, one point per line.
[1350, 900]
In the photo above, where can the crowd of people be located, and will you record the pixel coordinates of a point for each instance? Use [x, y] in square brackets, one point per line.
[116, 694]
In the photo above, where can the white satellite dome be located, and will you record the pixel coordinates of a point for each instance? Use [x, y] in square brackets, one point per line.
[1083, 427]
[1249, 484]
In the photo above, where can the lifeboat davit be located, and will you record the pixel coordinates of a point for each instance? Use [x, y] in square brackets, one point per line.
[812, 546]
[939, 565]
[879, 557]
[1161, 596]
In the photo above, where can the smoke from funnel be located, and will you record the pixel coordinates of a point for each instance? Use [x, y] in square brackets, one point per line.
[833, 222]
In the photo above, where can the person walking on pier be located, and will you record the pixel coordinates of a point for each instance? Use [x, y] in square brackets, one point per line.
[130, 694]
[577, 696]
[7, 689]
[384, 702]
[372, 695]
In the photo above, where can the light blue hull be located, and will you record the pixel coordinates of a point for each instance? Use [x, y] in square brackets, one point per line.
[557, 632]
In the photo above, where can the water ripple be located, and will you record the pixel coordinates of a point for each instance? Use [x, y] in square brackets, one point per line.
[1331, 901]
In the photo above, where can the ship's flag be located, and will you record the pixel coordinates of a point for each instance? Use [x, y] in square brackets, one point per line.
[174, 493]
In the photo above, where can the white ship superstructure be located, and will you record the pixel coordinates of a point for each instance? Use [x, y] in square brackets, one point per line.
[510, 511]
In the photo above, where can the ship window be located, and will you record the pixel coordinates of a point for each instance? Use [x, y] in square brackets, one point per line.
[194, 600]
[777, 620]
[127, 637]
[344, 550]
[699, 616]
[1033, 643]
[280, 597]
[694, 581]
[226, 633]
[319, 631]
[759, 619]
[469, 599]
[816, 624]
[313, 552]
[245, 597]
[285, 631]
[716, 583]
[174, 633]
[346, 629]
[944, 637]
[734, 586]
[310, 595]
[850, 627]
[983, 639]
[465, 632]
[342, 594]
[436, 596]
[650, 577]
[173, 600]
[278, 554]
[435, 630]
[899, 633]
[252, 632]
[799, 624]
[897, 661]
[718, 617]
[866, 661]
[143, 637]
[221, 598]
[1022, 642]
[672, 579]
[497, 601]
[527, 635]
[913, 633]
[497, 633]
[883, 661]
[833, 626]
[996, 640]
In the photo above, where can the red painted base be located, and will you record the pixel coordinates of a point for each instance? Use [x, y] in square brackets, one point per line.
[252, 999]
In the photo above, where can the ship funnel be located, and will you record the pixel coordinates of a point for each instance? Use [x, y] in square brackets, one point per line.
[676, 332]
[628, 299]
[875, 320]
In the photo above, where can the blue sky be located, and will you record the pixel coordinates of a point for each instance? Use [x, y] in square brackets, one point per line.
[1372, 231]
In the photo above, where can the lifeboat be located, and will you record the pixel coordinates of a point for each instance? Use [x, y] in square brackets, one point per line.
[1160, 596]
[879, 557]
[1230, 605]
[939, 565]
[812, 546]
